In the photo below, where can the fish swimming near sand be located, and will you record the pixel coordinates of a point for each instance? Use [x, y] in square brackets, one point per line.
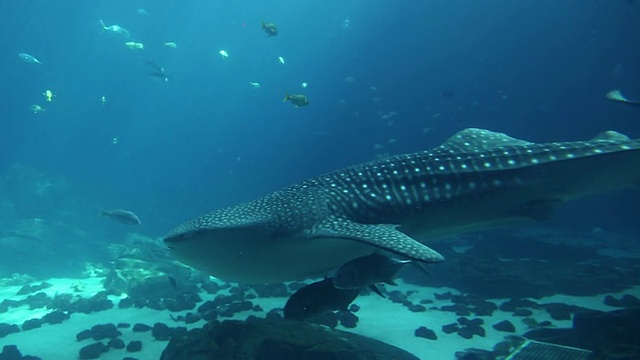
[317, 298]
[121, 216]
[476, 180]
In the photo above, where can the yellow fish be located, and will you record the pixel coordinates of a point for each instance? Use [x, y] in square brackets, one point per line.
[48, 95]
[134, 45]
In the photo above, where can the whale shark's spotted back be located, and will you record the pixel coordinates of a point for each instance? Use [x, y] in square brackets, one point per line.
[476, 179]
[472, 162]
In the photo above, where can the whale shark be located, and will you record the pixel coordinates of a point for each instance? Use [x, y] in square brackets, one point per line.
[477, 179]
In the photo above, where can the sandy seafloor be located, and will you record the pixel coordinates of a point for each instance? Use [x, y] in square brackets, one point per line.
[378, 318]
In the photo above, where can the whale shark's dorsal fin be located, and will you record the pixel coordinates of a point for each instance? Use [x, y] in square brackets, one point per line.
[384, 236]
[475, 140]
[611, 136]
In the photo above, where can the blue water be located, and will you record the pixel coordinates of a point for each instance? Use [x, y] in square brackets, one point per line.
[535, 69]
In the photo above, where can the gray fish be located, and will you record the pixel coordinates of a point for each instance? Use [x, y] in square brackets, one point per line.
[122, 216]
[476, 180]
[158, 71]
[29, 58]
[270, 28]
[368, 270]
[317, 298]
[296, 99]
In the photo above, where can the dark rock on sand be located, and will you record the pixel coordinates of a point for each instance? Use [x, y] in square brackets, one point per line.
[104, 331]
[31, 324]
[211, 287]
[116, 343]
[125, 303]
[55, 317]
[191, 318]
[471, 327]
[6, 329]
[472, 322]
[235, 307]
[161, 331]
[11, 352]
[347, 319]
[93, 351]
[207, 306]
[559, 311]
[443, 296]
[458, 309]
[83, 335]
[505, 326]
[516, 303]
[28, 289]
[625, 301]
[450, 328]
[37, 301]
[416, 307]
[134, 346]
[71, 304]
[426, 333]
[140, 327]
[522, 312]
[484, 308]
[264, 339]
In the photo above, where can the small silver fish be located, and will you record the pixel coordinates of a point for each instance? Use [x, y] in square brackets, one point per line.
[122, 216]
[116, 29]
[29, 58]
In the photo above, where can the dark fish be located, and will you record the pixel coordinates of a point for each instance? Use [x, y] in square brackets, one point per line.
[296, 100]
[317, 298]
[120, 215]
[270, 28]
[368, 270]
[158, 71]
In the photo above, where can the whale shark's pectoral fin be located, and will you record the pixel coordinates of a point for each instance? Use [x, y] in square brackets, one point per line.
[384, 236]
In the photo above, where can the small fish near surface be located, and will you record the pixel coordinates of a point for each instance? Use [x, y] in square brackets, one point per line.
[476, 180]
[122, 216]
[29, 58]
[296, 100]
[270, 28]
[317, 298]
[115, 29]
